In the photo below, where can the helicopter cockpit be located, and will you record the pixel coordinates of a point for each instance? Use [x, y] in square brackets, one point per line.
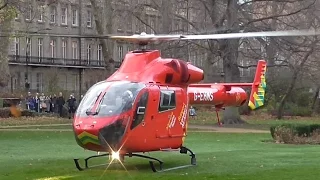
[106, 99]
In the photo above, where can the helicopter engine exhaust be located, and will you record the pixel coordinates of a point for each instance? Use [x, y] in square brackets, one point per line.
[182, 72]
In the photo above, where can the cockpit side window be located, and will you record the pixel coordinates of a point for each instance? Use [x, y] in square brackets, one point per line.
[167, 100]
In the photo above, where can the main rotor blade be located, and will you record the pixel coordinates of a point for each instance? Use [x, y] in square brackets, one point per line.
[137, 38]
[145, 38]
[253, 34]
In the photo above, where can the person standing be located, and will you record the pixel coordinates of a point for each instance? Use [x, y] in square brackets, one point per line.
[42, 103]
[37, 103]
[54, 104]
[72, 105]
[60, 102]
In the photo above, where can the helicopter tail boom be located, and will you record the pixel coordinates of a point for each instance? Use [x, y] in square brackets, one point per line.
[231, 94]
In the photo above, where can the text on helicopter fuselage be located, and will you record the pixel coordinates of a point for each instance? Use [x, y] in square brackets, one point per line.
[203, 96]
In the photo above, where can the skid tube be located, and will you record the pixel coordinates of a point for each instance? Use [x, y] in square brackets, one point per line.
[183, 150]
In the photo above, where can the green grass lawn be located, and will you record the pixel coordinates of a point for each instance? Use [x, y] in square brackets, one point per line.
[49, 156]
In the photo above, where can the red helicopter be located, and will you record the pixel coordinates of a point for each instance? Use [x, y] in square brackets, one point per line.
[144, 105]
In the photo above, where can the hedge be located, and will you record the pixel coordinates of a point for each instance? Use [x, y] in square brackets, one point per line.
[6, 113]
[296, 133]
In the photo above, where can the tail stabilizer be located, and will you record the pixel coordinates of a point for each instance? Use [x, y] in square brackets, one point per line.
[259, 86]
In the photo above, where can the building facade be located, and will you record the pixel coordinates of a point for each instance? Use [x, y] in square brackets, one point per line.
[47, 62]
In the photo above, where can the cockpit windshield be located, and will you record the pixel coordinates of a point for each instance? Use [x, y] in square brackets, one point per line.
[109, 98]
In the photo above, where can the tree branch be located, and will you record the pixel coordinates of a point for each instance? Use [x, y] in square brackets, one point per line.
[4, 5]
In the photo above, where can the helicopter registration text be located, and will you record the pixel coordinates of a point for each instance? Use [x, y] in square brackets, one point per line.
[203, 96]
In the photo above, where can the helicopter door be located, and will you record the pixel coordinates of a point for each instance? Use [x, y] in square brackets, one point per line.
[140, 108]
[166, 118]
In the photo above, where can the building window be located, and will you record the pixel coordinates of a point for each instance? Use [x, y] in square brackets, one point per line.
[99, 53]
[129, 24]
[40, 13]
[16, 16]
[137, 23]
[29, 14]
[16, 46]
[75, 17]
[177, 28]
[89, 53]
[74, 50]
[39, 82]
[64, 49]
[143, 27]
[119, 22]
[53, 48]
[120, 53]
[40, 49]
[29, 47]
[53, 12]
[89, 18]
[64, 16]
[152, 25]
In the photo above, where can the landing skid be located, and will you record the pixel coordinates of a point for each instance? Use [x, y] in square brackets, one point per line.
[183, 150]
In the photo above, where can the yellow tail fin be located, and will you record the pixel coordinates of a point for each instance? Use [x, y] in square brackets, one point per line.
[259, 86]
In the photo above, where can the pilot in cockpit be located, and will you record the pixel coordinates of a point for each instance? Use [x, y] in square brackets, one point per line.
[127, 100]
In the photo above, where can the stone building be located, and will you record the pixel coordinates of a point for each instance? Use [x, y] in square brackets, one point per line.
[51, 63]
[48, 62]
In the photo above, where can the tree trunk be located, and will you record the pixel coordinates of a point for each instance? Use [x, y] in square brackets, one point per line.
[292, 83]
[229, 49]
[232, 74]
[315, 99]
[107, 47]
[5, 26]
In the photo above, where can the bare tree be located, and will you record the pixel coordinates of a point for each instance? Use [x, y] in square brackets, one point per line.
[234, 16]
[3, 4]
[285, 54]
[7, 12]
[104, 15]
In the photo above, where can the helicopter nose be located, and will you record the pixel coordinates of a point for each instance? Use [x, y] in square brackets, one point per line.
[111, 136]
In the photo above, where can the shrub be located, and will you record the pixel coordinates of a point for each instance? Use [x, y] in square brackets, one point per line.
[296, 134]
[28, 113]
[5, 112]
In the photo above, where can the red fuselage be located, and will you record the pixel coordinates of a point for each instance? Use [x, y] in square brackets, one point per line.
[144, 105]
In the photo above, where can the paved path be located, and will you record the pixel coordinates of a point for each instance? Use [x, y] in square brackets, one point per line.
[192, 128]
[201, 128]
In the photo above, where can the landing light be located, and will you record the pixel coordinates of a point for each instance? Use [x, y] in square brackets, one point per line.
[115, 155]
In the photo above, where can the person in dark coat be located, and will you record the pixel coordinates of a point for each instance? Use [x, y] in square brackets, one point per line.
[54, 104]
[60, 102]
[72, 105]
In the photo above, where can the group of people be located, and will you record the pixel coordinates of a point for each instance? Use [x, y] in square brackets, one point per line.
[50, 103]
